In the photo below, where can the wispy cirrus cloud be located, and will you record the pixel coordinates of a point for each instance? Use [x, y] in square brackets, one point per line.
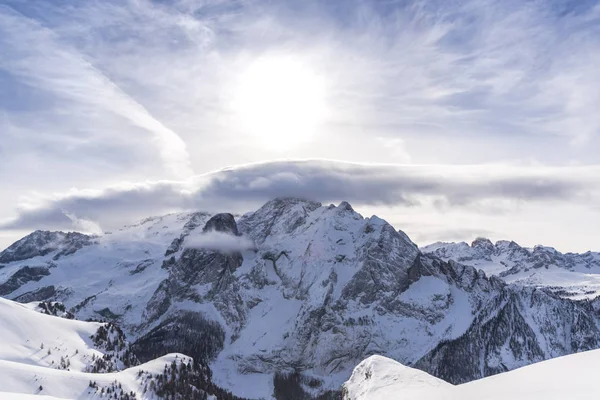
[467, 73]
[40, 59]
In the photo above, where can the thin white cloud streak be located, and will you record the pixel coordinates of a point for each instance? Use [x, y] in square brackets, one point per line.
[219, 241]
[37, 56]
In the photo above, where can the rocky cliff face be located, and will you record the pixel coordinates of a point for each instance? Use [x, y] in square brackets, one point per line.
[518, 327]
[41, 243]
[300, 293]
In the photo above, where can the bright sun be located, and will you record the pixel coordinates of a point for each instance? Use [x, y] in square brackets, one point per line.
[280, 102]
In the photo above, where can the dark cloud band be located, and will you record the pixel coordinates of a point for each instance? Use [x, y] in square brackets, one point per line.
[244, 188]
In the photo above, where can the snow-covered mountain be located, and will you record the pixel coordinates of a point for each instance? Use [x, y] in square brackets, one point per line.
[570, 275]
[568, 377]
[286, 300]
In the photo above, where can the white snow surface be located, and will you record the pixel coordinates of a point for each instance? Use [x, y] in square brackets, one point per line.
[25, 366]
[21, 396]
[572, 377]
[382, 378]
[29, 337]
[18, 378]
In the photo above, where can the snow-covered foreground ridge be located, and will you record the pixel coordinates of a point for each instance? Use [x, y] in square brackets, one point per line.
[571, 377]
[48, 357]
[291, 297]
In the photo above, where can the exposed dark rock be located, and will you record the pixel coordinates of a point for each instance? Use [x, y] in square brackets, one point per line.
[21, 277]
[108, 314]
[484, 246]
[54, 308]
[506, 325]
[83, 304]
[41, 243]
[221, 223]
[194, 222]
[141, 267]
[385, 268]
[41, 294]
[196, 267]
[292, 211]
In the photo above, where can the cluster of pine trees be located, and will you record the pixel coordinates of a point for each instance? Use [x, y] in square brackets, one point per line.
[65, 363]
[296, 386]
[187, 332]
[186, 381]
[113, 391]
[111, 338]
[55, 308]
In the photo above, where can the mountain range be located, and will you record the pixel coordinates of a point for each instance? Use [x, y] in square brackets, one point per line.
[285, 301]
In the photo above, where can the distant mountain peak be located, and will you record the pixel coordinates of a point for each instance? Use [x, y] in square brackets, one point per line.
[223, 222]
[40, 243]
[512, 262]
[482, 242]
[284, 202]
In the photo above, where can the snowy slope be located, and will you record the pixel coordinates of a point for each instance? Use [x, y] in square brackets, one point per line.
[28, 371]
[570, 275]
[382, 378]
[29, 337]
[570, 377]
[21, 396]
[26, 379]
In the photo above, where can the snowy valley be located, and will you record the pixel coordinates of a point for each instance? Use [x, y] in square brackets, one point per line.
[284, 302]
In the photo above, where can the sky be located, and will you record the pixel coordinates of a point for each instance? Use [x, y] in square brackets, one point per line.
[450, 119]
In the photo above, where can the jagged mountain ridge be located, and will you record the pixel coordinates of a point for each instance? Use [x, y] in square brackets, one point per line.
[571, 275]
[311, 289]
[40, 243]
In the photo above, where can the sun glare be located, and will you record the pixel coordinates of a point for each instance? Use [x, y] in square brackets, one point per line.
[280, 102]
